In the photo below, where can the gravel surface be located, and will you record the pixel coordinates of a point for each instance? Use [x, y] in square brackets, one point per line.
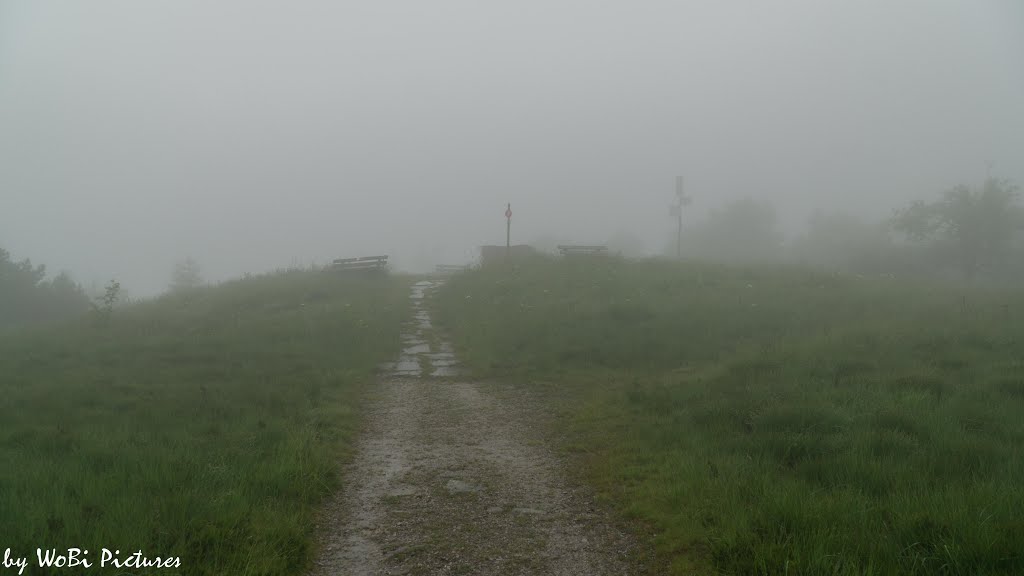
[453, 477]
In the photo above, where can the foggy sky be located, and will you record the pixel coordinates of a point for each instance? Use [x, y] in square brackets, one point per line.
[256, 135]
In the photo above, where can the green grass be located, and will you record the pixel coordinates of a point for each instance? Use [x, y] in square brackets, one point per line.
[206, 425]
[773, 421]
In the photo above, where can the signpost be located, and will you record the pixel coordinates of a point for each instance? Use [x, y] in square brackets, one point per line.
[508, 231]
[677, 211]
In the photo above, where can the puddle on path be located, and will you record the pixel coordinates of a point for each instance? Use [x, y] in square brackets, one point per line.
[408, 364]
[417, 349]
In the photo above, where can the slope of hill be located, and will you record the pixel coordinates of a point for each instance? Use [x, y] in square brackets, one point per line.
[205, 425]
[772, 421]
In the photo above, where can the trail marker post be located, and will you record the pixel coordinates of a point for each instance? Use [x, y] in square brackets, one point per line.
[508, 231]
[677, 211]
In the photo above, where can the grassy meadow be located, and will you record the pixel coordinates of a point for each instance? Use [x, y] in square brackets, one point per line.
[772, 420]
[206, 425]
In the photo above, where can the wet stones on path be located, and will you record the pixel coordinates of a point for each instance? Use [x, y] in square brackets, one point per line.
[453, 477]
[422, 356]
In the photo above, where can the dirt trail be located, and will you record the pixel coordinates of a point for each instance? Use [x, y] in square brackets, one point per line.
[452, 477]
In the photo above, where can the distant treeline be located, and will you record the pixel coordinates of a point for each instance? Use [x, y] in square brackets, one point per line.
[965, 233]
[28, 297]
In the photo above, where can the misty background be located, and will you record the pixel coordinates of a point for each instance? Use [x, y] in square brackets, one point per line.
[254, 135]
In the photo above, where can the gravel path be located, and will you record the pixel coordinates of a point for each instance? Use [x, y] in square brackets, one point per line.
[452, 477]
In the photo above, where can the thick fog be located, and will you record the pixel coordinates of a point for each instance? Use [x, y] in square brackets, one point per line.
[257, 135]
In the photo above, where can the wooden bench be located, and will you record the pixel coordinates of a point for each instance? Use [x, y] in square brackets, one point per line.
[572, 250]
[366, 263]
[449, 269]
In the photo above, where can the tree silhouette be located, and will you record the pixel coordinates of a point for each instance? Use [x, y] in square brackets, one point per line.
[186, 275]
[973, 227]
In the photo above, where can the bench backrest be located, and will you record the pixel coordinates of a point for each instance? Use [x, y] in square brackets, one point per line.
[570, 250]
[364, 263]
